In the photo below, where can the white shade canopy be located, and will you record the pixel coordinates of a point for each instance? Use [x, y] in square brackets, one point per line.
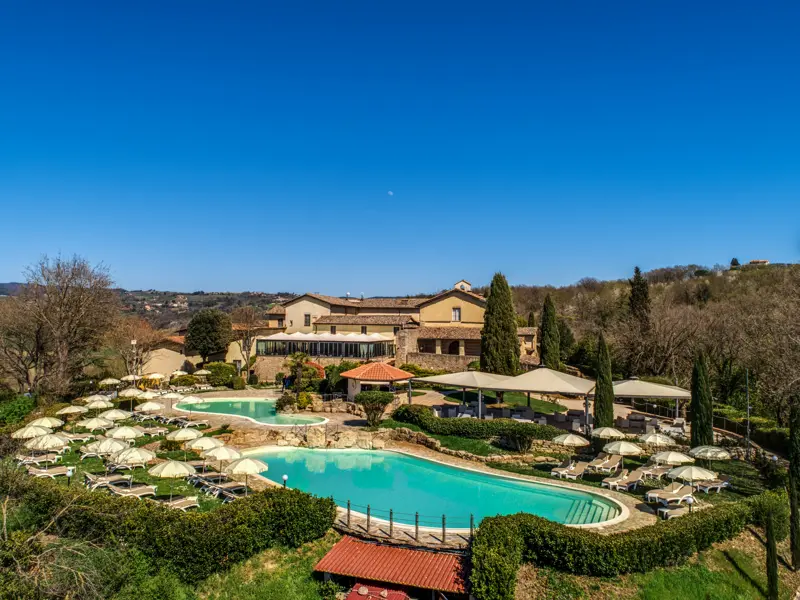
[130, 393]
[115, 414]
[153, 376]
[108, 446]
[246, 466]
[184, 435]
[657, 439]
[204, 443]
[203, 372]
[178, 373]
[130, 378]
[172, 396]
[96, 423]
[98, 404]
[147, 395]
[570, 439]
[636, 388]
[710, 453]
[466, 379]
[30, 431]
[109, 381]
[48, 441]
[149, 407]
[325, 337]
[124, 433]
[691, 473]
[546, 381]
[623, 448]
[133, 456]
[172, 469]
[49, 422]
[72, 410]
[672, 458]
[223, 453]
[607, 433]
[94, 397]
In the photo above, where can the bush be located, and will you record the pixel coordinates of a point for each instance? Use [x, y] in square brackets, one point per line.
[221, 373]
[502, 544]
[373, 404]
[170, 445]
[279, 377]
[183, 380]
[285, 402]
[518, 434]
[193, 545]
[252, 379]
[237, 383]
[15, 410]
[304, 401]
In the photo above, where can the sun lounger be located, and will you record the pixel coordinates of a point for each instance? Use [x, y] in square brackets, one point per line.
[653, 471]
[137, 490]
[680, 496]
[717, 484]
[121, 467]
[94, 481]
[631, 481]
[153, 431]
[51, 472]
[601, 459]
[78, 437]
[37, 459]
[609, 481]
[671, 513]
[577, 471]
[562, 468]
[202, 423]
[230, 487]
[181, 502]
[230, 495]
[207, 481]
[611, 465]
[670, 491]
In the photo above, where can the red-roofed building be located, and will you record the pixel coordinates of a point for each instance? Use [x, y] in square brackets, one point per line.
[403, 568]
[375, 376]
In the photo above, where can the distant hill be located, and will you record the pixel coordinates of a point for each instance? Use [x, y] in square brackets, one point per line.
[10, 288]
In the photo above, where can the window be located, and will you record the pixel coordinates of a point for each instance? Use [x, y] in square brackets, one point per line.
[333, 328]
[456, 313]
[363, 329]
[395, 330]
[280, 322]
[306, 320]
[238, 365]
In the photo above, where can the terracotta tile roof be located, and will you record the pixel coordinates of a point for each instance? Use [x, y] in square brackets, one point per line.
[365, 302]
[377, 372]
[241, 327]
[277, 310]
[177, 339]
[365, 320]
[374, 593]
[414, 568]
[449, 292]
[449, 333]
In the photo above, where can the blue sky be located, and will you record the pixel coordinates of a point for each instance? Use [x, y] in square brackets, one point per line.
[253, 145]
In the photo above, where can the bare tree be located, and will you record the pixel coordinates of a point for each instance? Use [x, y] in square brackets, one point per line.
[246, 320]
[23, 348]
[123, 331]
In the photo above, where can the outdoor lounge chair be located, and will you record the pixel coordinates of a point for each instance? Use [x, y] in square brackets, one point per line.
[229, 495]
[111, 467]
[37, 459]
[671, 513]
[229, 487]
[682, 494]
[717, 484]
[136, 490]
[94, 481]
[203, 423]
[601, 459]
[654, 471]
[78, 437]
[562, 468]
[207, 482]
[153, 431]
[631, 481]
[179, 502]
[652, 495]
[577, 471]
[51, 472]
[614, 479]
[611, 465]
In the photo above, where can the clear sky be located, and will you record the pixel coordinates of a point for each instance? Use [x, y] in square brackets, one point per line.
[254, 145]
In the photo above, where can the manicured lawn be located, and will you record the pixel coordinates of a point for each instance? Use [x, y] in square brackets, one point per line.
[510, 398]
[477, 447]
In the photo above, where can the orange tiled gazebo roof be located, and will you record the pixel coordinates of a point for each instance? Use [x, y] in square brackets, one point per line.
[377, 372]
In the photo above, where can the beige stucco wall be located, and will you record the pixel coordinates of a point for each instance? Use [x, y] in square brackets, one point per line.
[166, 360]
[295, 311]
[440, 312]
[340, 328]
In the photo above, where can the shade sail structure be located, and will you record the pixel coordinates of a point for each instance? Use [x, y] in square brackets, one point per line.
[94, 397]
[115, 414]
[691, 473]
[133, 456]
[108, 446]
[124, 433]
[326, 337]
[657, 439]
[570, 439]
[184, 435]
[546, 381]
[147, 395]
[246, 466]
[48, 441]
[98, 404]
[710, 453]
[191, 400]
[172, 396]
[607, 433]
[30, 431]
[202, 372]
[623, 448]
[130, 393]
[172, 469]
[131, 378]
[149, 407]
[672, 458]
[49, 422]
[96, 423]
[467, 379]
[204, 443]
[636, 388]
[109, 381]
[72, 410]
[153, 376]
[178, 373]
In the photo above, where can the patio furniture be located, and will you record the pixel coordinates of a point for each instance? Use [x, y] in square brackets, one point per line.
[667, 513]
[612, 464]
[136, 490]
[679, 496]
[542, 421]
[37, 459]
[229, 487]
[51, 472]
[560, 417]
[562, 468]
[602, 458]
[717, 484]
[94, 481]
[631, 481]
[609, 481]
[577, 471]
[576, 426]
[654, 495]
[180, 502]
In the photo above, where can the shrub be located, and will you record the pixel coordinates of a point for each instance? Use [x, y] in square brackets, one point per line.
[221, 373]
[285, 402]
[373, 404]
[183, 380]
[516, 433]
[501, 544]
[170, 445]
[279, 377]
[237, 383]
[304, 401]
[15, 410]
[252, 379]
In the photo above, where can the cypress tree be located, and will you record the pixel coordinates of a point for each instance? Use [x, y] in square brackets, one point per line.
[639, 301]
[550, 342]
[702, 411]
[531, 319]
[794, 479]
[499, 341]
[604, 390]
[772, 555]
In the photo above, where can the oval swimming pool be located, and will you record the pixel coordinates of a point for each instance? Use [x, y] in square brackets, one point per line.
[260, 410]
[406, 484]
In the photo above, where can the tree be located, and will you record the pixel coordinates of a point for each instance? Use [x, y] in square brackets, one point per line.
[499, 342]
[23, 346]
[794, 480]
[771, 514]
[566, 339]
[734, 263]
[246, 321]
[531, 319]
[133, 357]
[296, 363]
[550, 341]
[604, 388]
[639, 300]
[702, 411]
[209, 332]
[374, 404]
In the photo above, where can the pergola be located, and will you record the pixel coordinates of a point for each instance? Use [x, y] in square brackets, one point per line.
[472, 380]
[379, 374]
[636, 388]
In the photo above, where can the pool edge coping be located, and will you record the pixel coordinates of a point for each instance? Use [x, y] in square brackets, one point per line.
[623, 515]
[324, 420]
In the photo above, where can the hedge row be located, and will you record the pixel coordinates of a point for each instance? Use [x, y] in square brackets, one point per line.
[503, 543]
[194, 545]
[480, 429]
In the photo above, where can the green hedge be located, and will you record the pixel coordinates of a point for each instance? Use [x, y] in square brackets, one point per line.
[763, 431]
[193, 545]
[480, 429]
[221, 373]
[14, 410]
[503, 543]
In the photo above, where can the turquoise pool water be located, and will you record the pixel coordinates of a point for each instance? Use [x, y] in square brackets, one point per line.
[390, 480]
[258, 409]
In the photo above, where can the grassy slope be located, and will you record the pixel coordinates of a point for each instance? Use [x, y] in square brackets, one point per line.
[512, 398]
[477, 447]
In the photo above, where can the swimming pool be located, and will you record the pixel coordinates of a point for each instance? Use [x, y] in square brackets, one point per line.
[407, 484]
[260, 410]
